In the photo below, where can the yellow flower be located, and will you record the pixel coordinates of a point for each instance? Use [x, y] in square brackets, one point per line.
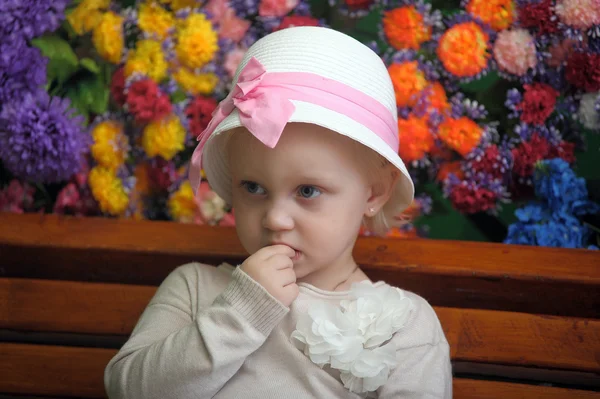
[164, 137]
[196, 83]
[196, 41]
[182, 204]
[177, 5]
[108, 37]
[87, 15]
[110, 146]
[108, 190]
[155, 20]
[147, 59]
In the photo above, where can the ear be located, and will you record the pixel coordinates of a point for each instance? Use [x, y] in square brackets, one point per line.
[381, 191]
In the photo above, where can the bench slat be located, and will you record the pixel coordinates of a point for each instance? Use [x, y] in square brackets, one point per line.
[480, 336]
[451, 274]
[79, 372]
[477, 389]
[53, 370]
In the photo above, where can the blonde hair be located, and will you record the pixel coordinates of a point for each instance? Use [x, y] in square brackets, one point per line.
[380, 173]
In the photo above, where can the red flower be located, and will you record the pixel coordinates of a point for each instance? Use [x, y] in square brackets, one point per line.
[469, 198]
[296, 20]
[564, 150]
[359, 4]
[536, 149]
[490, 163]
[528, 153]
[146, 102]
[538, 103]
[161, 173]
[583, 71]
[540, 16]
[117, 86]
[199, 112]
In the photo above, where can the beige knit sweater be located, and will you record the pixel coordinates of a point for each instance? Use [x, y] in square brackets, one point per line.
[215, 333]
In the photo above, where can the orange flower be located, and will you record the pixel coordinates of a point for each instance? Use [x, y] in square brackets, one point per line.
[450, 167]
[416, 139]
[405, 28]
[462, 134]
[436, 97]
[408, 82]
[398, 233]
[499, 14]
[464, 49]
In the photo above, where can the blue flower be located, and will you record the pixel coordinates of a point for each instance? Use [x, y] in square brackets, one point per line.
[22, 70]
[556, 182]
[521, 234]
[26, 19]
[40, 140]
[556, 234]
[593, 247]
[533, 212]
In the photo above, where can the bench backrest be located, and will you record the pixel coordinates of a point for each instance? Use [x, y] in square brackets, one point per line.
[71, 291]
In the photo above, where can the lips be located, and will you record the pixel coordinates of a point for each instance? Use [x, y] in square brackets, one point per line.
[296, 255]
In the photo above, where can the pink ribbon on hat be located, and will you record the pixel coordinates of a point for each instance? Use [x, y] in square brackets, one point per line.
[263, 103]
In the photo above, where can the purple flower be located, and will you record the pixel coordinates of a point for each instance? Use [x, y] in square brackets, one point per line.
[30, 18]
[22, 70]
[244, 8]
[40, 139]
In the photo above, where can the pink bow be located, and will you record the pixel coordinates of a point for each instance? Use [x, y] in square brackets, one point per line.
[262, 110]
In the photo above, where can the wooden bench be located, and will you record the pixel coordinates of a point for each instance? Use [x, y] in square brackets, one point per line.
[522, 322]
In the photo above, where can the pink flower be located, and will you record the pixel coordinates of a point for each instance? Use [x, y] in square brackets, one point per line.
[212, 207]
[232, 27]
[515, 52]
[228, 220]
[233, 59]
[17, 197]
[580, 14]
[560, 52]
[217, 9]
[276, 8]
[67, 199]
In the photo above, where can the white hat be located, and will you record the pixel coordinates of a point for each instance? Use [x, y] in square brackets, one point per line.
[312, 75]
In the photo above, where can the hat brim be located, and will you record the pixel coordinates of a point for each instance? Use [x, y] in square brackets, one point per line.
[216, 167]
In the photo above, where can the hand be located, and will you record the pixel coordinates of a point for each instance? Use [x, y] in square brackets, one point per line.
[272, 267]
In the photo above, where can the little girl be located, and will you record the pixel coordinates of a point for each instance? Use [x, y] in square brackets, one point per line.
[305, 149]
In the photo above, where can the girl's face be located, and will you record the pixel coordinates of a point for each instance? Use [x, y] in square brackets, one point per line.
[309, 193]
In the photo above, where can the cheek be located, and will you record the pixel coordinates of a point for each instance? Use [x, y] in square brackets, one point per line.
[247, 224]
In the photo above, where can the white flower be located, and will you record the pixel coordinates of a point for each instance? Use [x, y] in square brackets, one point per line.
[326, 335]
[589, 116]
[348, 337]
[380, 311]
[371, 369]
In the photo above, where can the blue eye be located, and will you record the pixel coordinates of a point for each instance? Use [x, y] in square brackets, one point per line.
[253, 188]
[309, 191]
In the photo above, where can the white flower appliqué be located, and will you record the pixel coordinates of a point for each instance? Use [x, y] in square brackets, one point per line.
[349, 337]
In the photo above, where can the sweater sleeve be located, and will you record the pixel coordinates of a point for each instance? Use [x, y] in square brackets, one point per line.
[424, 370]
[177, 351]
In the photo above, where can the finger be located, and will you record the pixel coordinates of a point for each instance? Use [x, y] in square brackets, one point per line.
[287, 276]
[280, 262]
[278, 249]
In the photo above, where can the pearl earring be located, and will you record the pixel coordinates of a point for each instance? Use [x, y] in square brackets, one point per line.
[371, 211]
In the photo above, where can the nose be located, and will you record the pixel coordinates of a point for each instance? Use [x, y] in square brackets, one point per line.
[277, 218]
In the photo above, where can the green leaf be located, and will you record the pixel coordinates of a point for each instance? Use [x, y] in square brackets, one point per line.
[72, 93]
[92, 94]
[178, 96]
[62, 61]
[90, 65]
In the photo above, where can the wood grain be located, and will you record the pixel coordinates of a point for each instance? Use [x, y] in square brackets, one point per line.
[78, 372]
[53, 370]
[446, 273]
[476, 389]
[480, 336]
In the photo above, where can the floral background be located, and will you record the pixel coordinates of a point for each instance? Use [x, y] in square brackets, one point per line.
[498, 102]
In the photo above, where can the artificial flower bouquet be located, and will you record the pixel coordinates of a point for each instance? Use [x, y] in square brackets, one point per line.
[99, 114]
